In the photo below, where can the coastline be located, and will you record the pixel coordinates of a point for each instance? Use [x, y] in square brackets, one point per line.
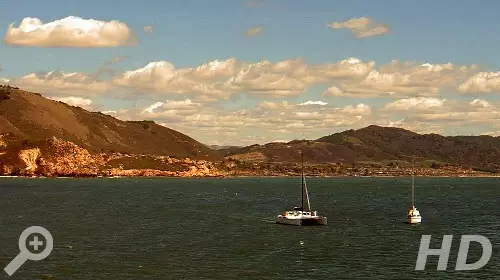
[248, 176]
[57, 158]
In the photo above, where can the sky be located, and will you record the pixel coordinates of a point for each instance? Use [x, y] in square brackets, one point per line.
[231, 72]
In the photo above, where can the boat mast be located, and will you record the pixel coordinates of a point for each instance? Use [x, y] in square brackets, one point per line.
[303, 182]
[413, 183]
[304, 186]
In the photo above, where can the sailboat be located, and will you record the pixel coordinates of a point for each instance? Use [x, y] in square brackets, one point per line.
[413, 214]
[298, 216]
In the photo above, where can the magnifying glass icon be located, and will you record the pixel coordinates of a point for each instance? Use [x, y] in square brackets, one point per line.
[25, 254]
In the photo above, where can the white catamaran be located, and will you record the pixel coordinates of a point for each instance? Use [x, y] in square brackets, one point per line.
[298, 216]
[413, 214]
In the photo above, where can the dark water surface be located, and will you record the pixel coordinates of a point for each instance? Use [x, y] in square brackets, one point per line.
[224, 228]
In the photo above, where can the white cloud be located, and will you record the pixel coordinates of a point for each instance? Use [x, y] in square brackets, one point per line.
[57, 83]
[271, 120]
[181, 105]
[407, 79]
[334, 91]
[4, 81]
[416, 103]
[210, 123]
[213, 81]
[283, 120]
[255, 31]
[360, 109]
[310, 102]
[163, 77]
[298, 124]
[446, 112]
[171, 110]
[74, 101]
[69, 32]
[151, 108]
[389, 83]
[362, 27]
[416, 126]
[349, 68]
[148, 29]
[307, 115]
[268, 105]
[397, 123]
[219, 79]
[480, 103]
[492, 133]
[481, 82]
[173, 105]
[110, 112]
[466, 117]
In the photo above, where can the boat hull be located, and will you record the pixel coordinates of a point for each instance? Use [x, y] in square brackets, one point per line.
[414, 216]
[316, 221]
[414, 220]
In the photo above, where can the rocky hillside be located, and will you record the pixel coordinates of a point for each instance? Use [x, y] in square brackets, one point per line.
[314, 151]
[56, 157]
[41, 136]
[29, 117]
[380, 145]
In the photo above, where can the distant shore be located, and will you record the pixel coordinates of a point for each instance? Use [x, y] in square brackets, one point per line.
[252, 176]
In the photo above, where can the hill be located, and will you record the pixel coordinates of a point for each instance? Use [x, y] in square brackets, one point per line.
[380, 145]
[28, 117]
[29, 123]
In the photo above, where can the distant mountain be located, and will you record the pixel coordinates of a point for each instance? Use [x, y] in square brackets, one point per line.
[26, 116]
[377, 144]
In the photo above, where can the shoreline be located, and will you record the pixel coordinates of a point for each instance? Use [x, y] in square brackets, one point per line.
[247, 176]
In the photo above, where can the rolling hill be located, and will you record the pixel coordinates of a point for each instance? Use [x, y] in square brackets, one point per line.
[377, 144]
[29, 117]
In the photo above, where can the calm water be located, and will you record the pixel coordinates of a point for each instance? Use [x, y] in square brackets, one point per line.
[224, 229]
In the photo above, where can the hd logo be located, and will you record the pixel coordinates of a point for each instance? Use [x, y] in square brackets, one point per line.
[463, 251]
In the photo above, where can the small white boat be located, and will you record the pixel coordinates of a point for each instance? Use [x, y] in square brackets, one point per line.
[413, 214]
[298, 216]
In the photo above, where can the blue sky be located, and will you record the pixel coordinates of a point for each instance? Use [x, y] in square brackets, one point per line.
[191, 33]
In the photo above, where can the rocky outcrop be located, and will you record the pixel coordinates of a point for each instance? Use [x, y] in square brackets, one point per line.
[194, 169]
[56, 157]
[30, 158]
[65, 159]
[201, 169]
[3, 144]
[137, 173]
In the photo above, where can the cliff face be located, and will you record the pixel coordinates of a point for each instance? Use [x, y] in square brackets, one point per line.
[30, 158]
[49, 157]
[56, 157]
[65, 158]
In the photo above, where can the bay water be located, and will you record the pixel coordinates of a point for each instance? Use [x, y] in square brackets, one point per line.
[223, 228]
